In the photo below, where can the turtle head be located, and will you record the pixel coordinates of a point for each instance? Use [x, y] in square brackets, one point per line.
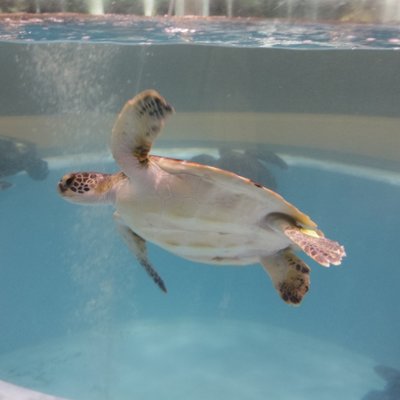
[88, 187]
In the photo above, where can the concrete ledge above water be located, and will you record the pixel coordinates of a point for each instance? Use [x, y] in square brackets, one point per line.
[376, 137]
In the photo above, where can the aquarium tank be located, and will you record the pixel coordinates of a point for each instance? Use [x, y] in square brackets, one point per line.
[298, 96]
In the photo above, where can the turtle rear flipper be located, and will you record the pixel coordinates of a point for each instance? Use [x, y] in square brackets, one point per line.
[312, 241]
[324, 251]
[289, 274]
[138, 246]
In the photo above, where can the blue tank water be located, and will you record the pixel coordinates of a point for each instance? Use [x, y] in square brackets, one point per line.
[80, 319]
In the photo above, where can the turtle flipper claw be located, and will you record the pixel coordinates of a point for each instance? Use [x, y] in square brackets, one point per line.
[324, 251]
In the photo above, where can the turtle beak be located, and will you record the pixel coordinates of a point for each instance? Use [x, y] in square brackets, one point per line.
[61, 187]
[169, 109]
[65, 183]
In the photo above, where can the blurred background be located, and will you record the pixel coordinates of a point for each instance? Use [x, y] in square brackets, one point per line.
[338, 10]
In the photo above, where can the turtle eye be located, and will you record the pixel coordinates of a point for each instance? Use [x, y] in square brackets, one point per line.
[69, 181]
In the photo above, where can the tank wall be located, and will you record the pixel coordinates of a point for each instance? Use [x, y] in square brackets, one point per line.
[65, 97]
[50, 78]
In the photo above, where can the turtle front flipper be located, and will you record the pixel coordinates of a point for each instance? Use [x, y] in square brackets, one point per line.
[138, 246]
[137, 126]
[289, 274]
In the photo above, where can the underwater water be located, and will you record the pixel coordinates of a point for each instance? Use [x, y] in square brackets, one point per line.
[81, 320]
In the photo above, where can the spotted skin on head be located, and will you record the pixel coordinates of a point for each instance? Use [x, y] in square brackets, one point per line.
[82, 182]
[90, 187]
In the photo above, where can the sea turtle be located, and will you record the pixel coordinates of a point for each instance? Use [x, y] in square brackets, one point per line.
[18, 155]
[200, 213]
[249, 162]
[392, 388]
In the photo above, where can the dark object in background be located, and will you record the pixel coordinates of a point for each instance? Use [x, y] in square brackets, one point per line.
[250, 163]
[392, 389]
[20, 155]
